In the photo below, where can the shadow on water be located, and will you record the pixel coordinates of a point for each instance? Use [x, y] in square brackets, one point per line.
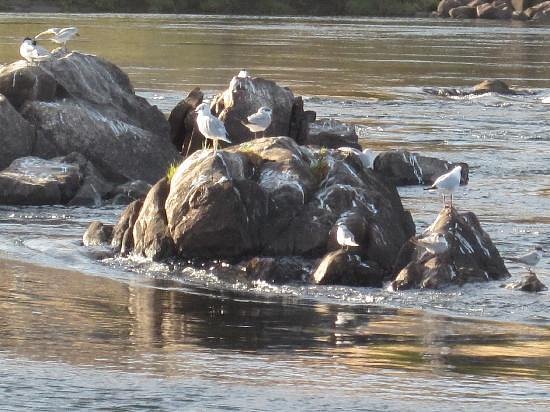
[65, 316]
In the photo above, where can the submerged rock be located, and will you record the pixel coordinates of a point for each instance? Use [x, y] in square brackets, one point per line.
[98, 234]
[528, 283]
[405, 168]
[279, 270]
[271, 197]
[470, 256]
[79, 102]
[484, 87]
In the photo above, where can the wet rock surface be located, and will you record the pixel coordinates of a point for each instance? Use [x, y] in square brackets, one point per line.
[332, 134]
[470, 257]
[98, 234]
[402, 168]
[17, 136]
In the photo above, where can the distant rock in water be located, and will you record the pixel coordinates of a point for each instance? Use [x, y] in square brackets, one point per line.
[528, 283]
[79, 102]
[269, 198]
[471, 256]
[332, 134]
[405, 168]
[486, 86]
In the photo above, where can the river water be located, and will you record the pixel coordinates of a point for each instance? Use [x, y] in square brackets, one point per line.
[126, 334]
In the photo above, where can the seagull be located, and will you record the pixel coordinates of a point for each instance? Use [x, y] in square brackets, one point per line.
[60, 36]
[259, 121]
[240, 81]
[546, 99]
[32, 52]
[436, 244]
[344, 237]
[530, 259]
[210, 126]
[447, 184]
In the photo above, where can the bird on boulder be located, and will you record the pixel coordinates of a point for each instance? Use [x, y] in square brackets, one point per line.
[436, 244]
[345, 237]
[447, 184]
[210, 126]
[259, 121]
[530, 259]
[32, 52]
[60, 36]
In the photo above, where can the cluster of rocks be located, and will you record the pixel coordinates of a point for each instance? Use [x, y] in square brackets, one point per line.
[495, 9]
[486, 86]
[74, 132]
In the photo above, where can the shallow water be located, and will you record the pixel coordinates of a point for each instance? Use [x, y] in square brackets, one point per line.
[131, 334]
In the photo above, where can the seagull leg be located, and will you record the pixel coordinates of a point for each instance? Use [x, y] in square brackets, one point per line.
[451, 200]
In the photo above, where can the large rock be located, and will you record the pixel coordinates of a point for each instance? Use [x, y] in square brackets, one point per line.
[471, 256]
[271, 197]
[123, 232]
[16, 134]
[492, 11]
[404, 168]
[463, 12]
[538, 10]
[246, 96]
[80, 102]
[35, 181]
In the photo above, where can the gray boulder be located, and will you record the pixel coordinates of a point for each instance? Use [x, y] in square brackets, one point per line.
[16, 134]
[405, 168]
[35, 181]
[271, 197]
[445, 6]
[471, 256]
[98, 234]
[332, 134]
[80, 102]
[342, 268]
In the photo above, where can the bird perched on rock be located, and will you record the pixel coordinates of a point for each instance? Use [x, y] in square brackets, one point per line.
[436, 243]
[344, 237]
[447, 184]
[210, 126]
[259, 121]
[32, 52]
[530, 259]
[60, 36]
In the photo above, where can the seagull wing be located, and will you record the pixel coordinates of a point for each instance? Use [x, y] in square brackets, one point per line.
[212, 128]
[261, 119]
[53, 31]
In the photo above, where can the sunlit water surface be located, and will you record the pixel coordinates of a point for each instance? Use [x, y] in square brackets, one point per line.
[130, 334]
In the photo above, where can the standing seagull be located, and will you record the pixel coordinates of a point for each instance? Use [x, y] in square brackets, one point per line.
[447, 184]
[210, 126]
[436, 244]
[530, 259]
[344, 237]
[60, 36]
[259, 121]
[32, 52]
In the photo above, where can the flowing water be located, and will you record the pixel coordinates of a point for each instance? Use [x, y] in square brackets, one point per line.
[125, 334]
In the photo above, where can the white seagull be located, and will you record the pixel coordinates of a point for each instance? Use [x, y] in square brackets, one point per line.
[530, 259]
[447, 184]
[240, 81]
[344, 237]
[436, 244]
[32, 52]
[60, 36]
[210, 126]
[258, 121]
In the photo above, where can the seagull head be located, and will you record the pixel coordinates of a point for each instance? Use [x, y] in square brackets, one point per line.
[29, 41]
[264, 109]
[243, 74]
[539, 249]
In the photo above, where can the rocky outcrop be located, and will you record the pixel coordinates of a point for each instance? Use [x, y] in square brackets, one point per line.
[183, 134]
[123, 236]
[16, 134]
[470, 256]
[332, 134]
[401, 168]
[528, 283]
[495, 9]
[80, 102]
[35, 181]
[271, 197]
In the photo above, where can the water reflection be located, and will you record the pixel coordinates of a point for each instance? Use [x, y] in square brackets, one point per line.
[65, 316]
